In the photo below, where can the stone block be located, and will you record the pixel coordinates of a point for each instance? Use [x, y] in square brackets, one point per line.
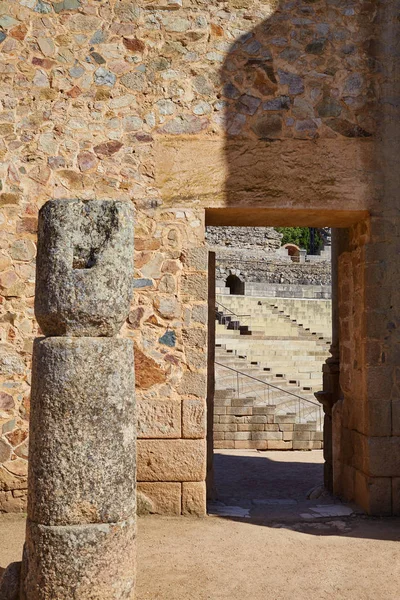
[305, 426]
[193, 419]
[171, 460]
[158, 419]
[317, 436]
[251, 445]
[256, 419]
[79, 561]
[160, 498]
[193, 384]
[302, 436]
[218, 435]
[250, 427]
[82, 436]
[316, 445]
[287, 436]
[227, 444]
[238, 410]
[264, 410]
[194, 498]
[286, 426]
[280, 445]
[222, 402]
[243, 401]
[396, 496]
[299, 445]
[383, 456]
[266, 435]
[228, 427]
[240, 436]
[84, 267]
[373, 494]
[229, 419]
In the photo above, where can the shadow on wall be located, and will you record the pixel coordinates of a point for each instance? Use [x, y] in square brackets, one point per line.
[301, 75]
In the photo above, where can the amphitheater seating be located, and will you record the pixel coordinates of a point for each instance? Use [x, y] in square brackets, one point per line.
[270, 353]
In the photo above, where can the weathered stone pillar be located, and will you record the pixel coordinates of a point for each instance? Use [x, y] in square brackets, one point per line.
[81, 503]
[331, 369]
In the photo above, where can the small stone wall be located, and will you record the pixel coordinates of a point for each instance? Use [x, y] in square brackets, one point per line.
[273, 271]
[241, 424]
[266, 239]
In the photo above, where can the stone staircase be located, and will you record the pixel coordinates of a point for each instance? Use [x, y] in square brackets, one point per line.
[269, 360]
[241, 423]
[272, 341]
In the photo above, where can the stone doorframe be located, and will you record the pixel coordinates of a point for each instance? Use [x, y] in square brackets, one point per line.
[358, 433]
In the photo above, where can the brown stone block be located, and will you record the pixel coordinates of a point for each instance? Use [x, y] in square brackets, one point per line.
[81, 561]
[227, 444]
[266, 435]
[383, 457]
[272, 427]
[159, 498]
[218, 435]
[251, 445]
[264, 410]
[147, 371]
[280, 445]
[193, 419]
[238, 410]
[302, 445]
[396, 496]
[83, 431]
[249, 161]
[302, 436]
[286, 426]
[316, 445]
[158, 419]
[228, 427]
[194, 498]
[171, 460]
[250, 427]
[373, 494]
[194, 384]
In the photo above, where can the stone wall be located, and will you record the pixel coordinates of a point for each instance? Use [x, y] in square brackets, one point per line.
[273, 270]
[262, 239]
[243, 112]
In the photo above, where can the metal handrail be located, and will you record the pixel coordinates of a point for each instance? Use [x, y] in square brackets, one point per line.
[231, 311]
[269, 385]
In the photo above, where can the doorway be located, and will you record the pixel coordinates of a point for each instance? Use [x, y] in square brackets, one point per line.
[270, 341]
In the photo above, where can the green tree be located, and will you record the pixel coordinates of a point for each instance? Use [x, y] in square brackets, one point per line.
[300, 236]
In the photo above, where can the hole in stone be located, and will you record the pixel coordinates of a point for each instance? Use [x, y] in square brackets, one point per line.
[84, 258]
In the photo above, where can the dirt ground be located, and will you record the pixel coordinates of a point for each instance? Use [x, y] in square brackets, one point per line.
[276, 551]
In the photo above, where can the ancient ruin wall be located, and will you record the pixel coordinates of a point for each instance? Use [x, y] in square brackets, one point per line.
[175, 106]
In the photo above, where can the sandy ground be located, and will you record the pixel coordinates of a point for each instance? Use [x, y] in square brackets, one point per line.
[259, 557]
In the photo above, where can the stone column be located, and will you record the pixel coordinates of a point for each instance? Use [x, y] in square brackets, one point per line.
[331, 369]
[80, 540]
